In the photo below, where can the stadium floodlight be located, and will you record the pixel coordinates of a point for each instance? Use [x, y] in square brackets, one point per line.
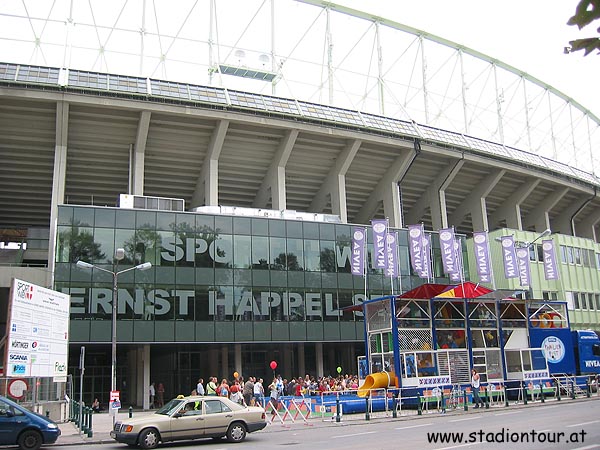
[119, 255]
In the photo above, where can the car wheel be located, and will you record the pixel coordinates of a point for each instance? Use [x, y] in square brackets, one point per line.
[236, 432]
[30, 440]
[149, 438]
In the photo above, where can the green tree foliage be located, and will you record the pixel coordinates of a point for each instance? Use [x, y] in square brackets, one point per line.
[586, 12]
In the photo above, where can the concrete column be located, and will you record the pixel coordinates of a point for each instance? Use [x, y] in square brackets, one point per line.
[319, 358]
[59, 177]
[206, 192]
[139, 153]
[475, 203]
[288, 356]
[430, 198]
[213, 361]
[237, 365]
[143, 377]
[301, 361]
[273, 184]
[539, 217]
[564, 223]
[334, 186]
[510, 210]
[224, 363]
[385, 190]
[587, 227]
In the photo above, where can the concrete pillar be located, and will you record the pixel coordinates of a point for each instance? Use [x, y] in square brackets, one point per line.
[475, 203]
[430, 199]
[334, 186]
[237, 356]
[539, 217]
[385, 190]
[273, 184]
[319, 358]
[139, 153]
[224, 363]
[58, 180]
[206, 192]
[143, 377]
[510, 210]
[301, 361]
[213, 361]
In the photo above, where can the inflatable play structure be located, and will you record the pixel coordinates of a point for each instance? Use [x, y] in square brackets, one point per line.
[376, 381]
[435, 334]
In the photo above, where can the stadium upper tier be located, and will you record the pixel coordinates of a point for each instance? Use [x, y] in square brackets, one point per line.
[221, 98]
[360, 69]
[79, 137]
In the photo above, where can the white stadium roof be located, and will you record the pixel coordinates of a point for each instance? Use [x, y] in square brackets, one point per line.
[294, 65]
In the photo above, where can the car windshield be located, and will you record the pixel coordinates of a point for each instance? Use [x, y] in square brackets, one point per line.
[170, 407]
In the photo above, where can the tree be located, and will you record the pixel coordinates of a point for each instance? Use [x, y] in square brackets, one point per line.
[586, 12]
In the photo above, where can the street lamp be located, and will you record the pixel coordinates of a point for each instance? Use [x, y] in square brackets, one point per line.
[119, 255]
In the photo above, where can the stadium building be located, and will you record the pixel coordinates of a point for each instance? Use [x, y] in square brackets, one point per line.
[241, 177]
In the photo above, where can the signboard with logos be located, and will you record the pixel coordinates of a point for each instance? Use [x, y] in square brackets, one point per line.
[37, 332]
[115, 400]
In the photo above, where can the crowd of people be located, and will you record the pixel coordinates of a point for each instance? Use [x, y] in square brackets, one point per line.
[253, 391]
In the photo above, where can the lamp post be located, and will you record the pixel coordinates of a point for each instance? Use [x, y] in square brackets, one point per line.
[119, 255]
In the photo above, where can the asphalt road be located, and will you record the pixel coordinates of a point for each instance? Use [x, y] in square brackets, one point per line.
[551, 426]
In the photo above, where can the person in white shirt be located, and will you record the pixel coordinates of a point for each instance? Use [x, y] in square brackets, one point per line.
[152, 394]
[475, 388]
[259, 392]
[200, 387]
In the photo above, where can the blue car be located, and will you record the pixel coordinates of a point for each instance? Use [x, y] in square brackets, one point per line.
[28, 430]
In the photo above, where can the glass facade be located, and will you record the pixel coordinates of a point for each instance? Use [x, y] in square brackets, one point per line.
[259, 279]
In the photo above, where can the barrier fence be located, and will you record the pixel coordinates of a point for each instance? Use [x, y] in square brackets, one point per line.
[347, 405]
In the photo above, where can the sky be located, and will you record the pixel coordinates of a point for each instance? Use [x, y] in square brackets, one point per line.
[530, 35]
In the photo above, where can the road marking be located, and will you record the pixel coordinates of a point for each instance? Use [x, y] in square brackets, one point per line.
[415, 426]
[507, 413]
[351, 435]
[455, 446]
[581, 424]
[462, 420]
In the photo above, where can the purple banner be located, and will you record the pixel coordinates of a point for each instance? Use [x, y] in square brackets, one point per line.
[391, 241]
[523, 265]
[415, 247]
[379, 234]
[457, 276]
[550, 270]
[509, 257]
[357, 261]
[482, 256]
[448, 252]
[426, 272]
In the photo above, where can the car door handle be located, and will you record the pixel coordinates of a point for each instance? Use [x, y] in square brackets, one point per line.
[229, 415]
[200, 418]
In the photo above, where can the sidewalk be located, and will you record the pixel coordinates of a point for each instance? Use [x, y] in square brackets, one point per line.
[101, 425]
[102, 422]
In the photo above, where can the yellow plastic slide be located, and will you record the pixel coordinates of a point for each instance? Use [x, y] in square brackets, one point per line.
[376, 381]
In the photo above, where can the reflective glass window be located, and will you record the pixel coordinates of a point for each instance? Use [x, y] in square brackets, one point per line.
[295, 254]
[328, 260]
[278, 259]
[260, 252]
[311, 255]
[104, 242]
[104, 217]
[222, 251]
[242, 252]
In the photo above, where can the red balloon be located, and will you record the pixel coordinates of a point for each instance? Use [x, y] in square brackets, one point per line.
[273, 365]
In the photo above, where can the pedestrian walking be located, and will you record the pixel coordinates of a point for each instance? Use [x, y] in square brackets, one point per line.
[475, 388]
[200, 387]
